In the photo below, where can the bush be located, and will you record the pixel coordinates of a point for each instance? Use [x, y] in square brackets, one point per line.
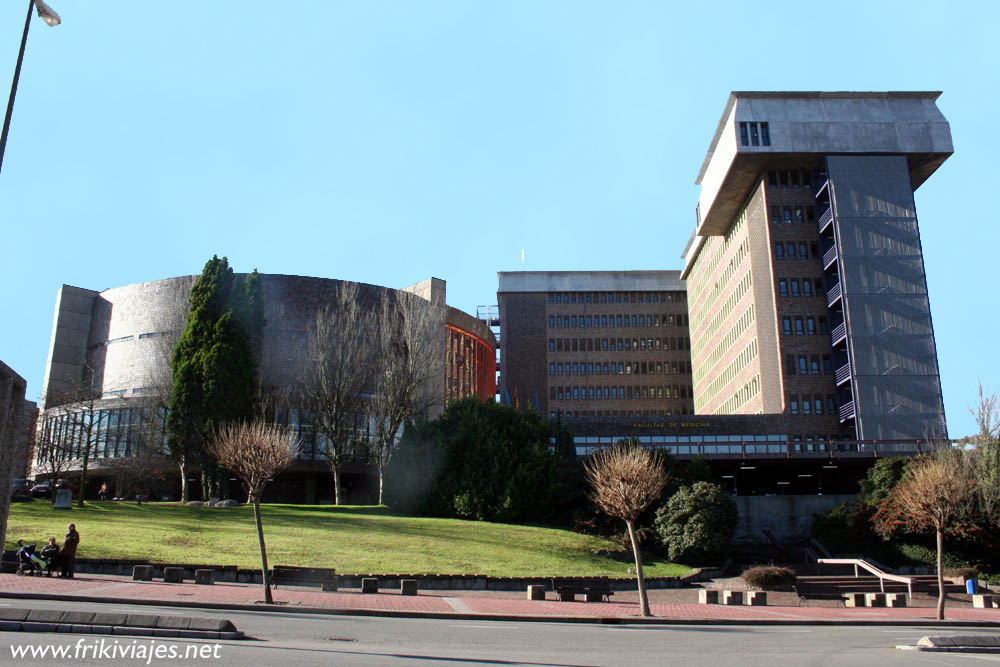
[697, 524]
[480, 461]
[769, 578]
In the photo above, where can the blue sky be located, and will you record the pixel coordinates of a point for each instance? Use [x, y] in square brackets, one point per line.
[388, 142]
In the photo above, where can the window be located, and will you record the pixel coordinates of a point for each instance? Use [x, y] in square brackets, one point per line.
[552, 369]
[552, 298]
[576, 392]
[590, 369]
[789, 364]
[559, 369]
[831, 407]
[619, 320]
[633, 320]
[827, 365]
[754, 141]
[552, 321]
[559, 344]
[552, 345]
[576, 369]
[786, 326]
[807, 288]
[744, 134]
[814, 364]
[590, 321]
[818, 405]
[598, 369]
[772, 180]
[799, 330]
[803, 365]
[800, 215]
[775, 215]
[822, 326]
[795, 287]
[765, 135]
[779, 250]
[803, 250]
[787, 213]
[793, 405]
[806, 406]
[791, 251]
[782, 287]
[604, 320]
[558, 298]
[573, 319]
[810, 324]
[604, 297]
[604, 344]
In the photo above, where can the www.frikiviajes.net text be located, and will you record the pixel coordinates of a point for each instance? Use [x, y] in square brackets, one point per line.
[115, 649]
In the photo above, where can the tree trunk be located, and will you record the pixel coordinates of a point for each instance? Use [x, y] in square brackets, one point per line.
[336, 487]
[381, 477]
[643, 600]
[940, 574]
[265, 576]
[83, 482]
[185, 491]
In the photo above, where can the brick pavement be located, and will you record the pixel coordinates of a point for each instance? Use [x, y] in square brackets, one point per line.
[672, 605]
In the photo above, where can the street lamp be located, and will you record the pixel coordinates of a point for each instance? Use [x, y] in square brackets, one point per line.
[50, 17]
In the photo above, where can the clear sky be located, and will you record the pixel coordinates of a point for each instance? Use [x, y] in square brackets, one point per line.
[388, 142]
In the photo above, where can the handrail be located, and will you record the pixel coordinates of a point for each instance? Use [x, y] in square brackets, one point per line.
[882, 576]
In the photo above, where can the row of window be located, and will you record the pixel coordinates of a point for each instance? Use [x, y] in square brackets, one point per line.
[618, 345]
[790, 214]
[804, 326]
[796, 287]
[142, 336]
[622, 321]
[788, 250]
[811, 405]
[787, 179]
[808, 364]
[619, 368]
[618, 393]
[616, 297]
[741, 397]
[683, 409]
[755, 134]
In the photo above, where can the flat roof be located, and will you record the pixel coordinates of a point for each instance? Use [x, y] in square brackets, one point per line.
[590, 281]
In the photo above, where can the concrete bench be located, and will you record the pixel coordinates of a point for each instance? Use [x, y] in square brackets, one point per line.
[593, 591]
[732, 598]
[757, 598]
[289, 575]
[706, 596]
[536, 592]
[142, 573]
[369, 585]
[854, 599]
[204, 577]
[408, 587]
[983, 601]
[173, 575]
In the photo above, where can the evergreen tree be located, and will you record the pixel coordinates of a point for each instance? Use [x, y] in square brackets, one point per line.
[214, 365]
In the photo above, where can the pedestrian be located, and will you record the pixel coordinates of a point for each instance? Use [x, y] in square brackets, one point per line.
[67, 557]
[50, 554]
[103, 492]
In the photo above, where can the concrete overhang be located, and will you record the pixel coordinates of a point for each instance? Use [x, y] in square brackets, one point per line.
[804, 128]
[589, 281]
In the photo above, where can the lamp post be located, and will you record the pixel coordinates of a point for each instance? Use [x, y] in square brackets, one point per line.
[50, 17]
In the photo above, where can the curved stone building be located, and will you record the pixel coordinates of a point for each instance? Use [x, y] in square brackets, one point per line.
[108, 373]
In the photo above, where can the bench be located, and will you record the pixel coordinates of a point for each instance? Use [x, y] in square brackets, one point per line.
[289, 575]
[8, 563]
[593, 591]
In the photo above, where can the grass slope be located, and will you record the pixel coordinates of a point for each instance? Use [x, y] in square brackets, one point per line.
[353, 539]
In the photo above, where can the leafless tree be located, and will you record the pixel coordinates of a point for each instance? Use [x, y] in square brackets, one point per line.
[985, 458]
[409, 359]
[255, 453]
[935, 493]
[53, 453]
[78, 405]
[145, 471]
[339, 354]
[624, 480]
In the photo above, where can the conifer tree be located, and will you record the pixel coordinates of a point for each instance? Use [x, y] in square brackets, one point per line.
[214, 365]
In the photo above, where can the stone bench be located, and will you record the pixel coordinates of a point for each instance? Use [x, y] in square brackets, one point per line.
[983, 601]
[536, 592]
[289, 575]
[732, 598]
[142, 573]
[593, 591]
[706, 596]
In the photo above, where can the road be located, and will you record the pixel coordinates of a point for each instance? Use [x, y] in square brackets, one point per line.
[290, 639]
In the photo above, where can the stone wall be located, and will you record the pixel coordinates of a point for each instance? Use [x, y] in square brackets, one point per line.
[788, 517]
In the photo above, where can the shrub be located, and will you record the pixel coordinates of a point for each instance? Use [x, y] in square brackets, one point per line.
[697, 524]
[769, 578]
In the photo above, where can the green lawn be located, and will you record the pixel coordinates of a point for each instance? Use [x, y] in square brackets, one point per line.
[353, 539]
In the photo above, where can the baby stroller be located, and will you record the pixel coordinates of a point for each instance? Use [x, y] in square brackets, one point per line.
[28, 563]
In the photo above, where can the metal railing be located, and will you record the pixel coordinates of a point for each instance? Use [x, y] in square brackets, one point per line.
[847, 411]
[825, 219]
[882, 576]
[839, 333]
[843, 374]
[829, 257]
[833, 295]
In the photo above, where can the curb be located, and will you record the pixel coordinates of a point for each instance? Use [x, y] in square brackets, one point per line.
[133, 625]
[596, 620]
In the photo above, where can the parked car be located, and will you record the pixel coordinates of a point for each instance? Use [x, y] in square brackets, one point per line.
[20, 489]
[42, 490]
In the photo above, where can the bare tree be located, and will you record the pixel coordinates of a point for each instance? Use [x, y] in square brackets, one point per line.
[53, 453]
[985, 459]
[142, 472]
[78, 405]
[339, 366]
[410, 357]
[935, 493]
[624, 480]
[255, 453]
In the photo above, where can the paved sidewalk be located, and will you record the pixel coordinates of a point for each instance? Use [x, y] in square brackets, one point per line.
[677, 605]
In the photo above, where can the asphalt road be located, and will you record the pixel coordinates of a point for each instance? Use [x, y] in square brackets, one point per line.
[290, 639]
